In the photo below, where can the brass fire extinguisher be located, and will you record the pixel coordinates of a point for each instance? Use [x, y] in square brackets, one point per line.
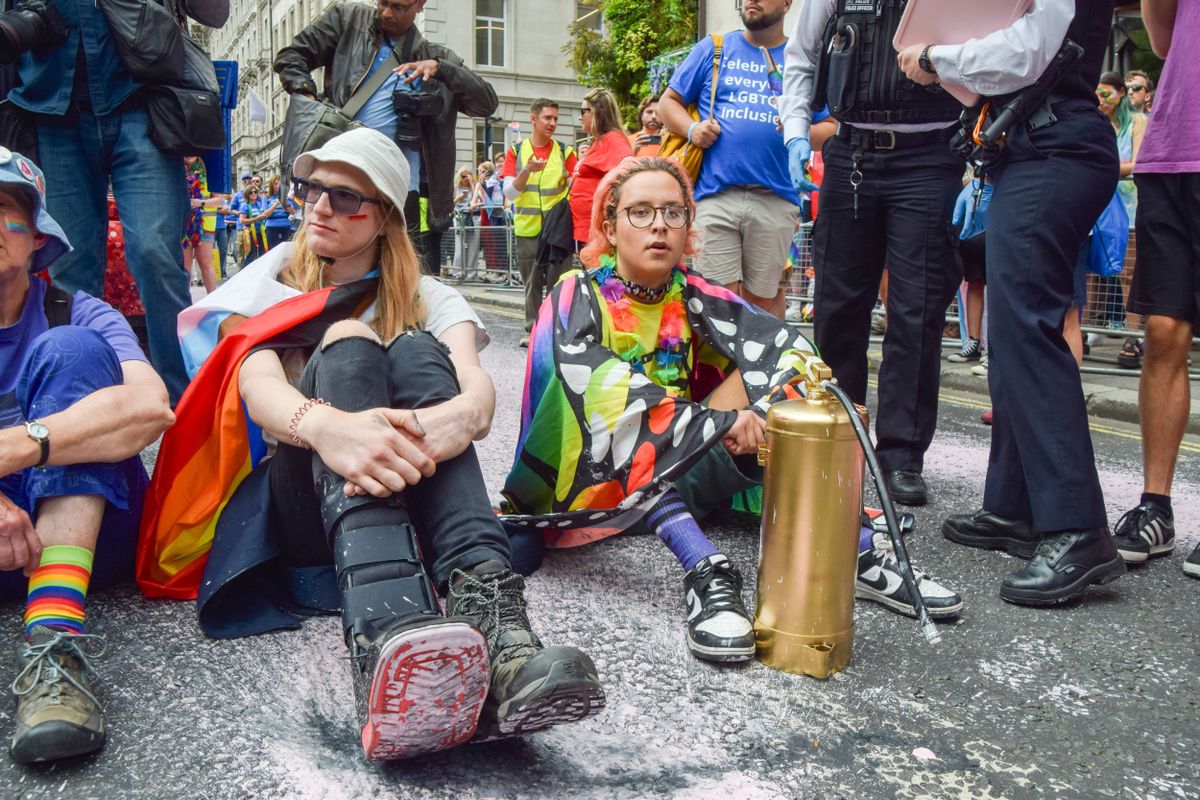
[808, 547]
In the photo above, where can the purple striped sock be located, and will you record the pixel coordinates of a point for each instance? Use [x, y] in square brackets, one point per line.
[673, 523]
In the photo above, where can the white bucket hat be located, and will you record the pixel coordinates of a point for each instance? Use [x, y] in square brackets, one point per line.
[367, 150]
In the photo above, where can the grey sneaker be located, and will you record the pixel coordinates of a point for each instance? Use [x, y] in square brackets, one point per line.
[58, 715]
[532, 686]
[1192, 565]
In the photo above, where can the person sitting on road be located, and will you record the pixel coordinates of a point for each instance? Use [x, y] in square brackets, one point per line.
[647, 389]
[78, 401]
[367, 375]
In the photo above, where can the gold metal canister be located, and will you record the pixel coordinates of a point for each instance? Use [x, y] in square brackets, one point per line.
[808, 545]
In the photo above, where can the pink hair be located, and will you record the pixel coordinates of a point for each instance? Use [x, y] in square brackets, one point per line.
[604, 204]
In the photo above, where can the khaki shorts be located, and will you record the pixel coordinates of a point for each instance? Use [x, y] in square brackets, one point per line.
[745, 235]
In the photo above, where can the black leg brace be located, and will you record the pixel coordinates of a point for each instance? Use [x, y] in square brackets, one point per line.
[377, 558]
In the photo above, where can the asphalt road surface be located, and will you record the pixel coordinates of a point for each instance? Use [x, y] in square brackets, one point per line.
[1093, 700]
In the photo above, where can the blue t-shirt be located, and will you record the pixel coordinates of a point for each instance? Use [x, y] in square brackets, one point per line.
[749, 150]
[379, 113]
[15, 340]
[281, 216]
[235, 207]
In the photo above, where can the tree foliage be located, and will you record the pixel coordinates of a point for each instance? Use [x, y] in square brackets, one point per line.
[634, 32]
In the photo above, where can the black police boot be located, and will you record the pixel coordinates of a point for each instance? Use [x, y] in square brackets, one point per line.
[1063, 566]
[907, 487]
[988, 531]
[420, 680]
[532, 686]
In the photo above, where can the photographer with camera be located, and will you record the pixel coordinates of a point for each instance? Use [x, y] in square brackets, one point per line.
[417, 107]
[77, 90]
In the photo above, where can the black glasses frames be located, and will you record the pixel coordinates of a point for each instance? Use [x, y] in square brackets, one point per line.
[342, 201]
[642, 217]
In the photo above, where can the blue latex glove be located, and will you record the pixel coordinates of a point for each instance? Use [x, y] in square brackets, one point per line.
[799, 152]
[973, 218]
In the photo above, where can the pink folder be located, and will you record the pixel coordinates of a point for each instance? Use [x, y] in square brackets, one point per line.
[955, 22]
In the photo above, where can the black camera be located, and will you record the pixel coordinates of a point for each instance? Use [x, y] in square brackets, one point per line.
[33, 23]
[410, 107]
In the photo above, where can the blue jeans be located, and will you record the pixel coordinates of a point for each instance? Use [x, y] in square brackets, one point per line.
[80, 152]
[64, 365]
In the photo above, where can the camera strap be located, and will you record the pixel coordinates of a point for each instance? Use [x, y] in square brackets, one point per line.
[368, 87]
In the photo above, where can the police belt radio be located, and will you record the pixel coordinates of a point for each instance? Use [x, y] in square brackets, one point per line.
[984, 129]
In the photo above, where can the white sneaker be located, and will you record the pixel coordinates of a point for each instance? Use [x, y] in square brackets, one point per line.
[981, 369]
[719, 628]
[879, 580]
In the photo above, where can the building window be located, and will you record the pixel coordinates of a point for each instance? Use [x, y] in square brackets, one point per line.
[589, 16]
[481, 146]
[489, 33]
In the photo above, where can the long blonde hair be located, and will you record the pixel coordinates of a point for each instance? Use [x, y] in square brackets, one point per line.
[398, 304]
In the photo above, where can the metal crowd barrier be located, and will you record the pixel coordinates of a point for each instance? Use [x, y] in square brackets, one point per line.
[476, 252]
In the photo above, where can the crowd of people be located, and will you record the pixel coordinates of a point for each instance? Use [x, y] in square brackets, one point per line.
[318, 407]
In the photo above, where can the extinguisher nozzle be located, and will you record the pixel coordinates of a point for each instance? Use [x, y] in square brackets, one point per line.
[931, 633]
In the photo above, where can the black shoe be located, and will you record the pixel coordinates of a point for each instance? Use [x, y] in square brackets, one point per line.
[1192, 565]
[907, 487]
[986, 530]
[719, 628]
[1144, 532]
[879, 580]
[1064, 565]
[532, 686]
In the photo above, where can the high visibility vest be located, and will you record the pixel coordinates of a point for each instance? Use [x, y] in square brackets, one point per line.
[544, 190]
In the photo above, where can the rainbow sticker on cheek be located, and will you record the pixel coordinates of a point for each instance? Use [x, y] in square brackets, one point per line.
[14, 225]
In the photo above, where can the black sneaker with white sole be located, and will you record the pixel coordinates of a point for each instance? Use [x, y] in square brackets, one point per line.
[970, 352]
[1147, 531]
[879, 580]
[719, 629]
[1192, 565]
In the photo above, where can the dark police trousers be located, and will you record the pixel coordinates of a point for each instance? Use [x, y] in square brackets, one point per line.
[905, 202]
[1050, 189]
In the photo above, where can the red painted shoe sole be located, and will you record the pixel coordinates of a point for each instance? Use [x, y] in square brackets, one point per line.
[428, 689]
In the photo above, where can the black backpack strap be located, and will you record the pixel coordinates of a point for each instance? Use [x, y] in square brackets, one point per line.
[57, 305]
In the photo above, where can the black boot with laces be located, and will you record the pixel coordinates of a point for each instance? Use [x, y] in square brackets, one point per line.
[532, 686]
[719, 629]
[1063, 566]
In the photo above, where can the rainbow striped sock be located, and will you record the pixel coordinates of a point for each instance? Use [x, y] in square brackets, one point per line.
[57, 589]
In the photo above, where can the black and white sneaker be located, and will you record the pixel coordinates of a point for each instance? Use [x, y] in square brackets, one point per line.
[719, 629]
[1144, 532]
[1192, 565]
[970, 352]
[879, 580]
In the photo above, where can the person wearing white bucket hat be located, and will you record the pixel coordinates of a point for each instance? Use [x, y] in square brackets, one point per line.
[367, 375]
[78, 401]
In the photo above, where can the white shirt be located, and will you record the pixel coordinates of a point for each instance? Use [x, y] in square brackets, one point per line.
[1001, 62]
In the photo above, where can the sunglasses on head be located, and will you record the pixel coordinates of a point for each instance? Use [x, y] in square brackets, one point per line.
[342, 201]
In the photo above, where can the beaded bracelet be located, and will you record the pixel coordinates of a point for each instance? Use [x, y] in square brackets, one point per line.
[300, 412]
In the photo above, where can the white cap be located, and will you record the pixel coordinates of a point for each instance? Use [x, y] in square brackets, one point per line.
[367, 150]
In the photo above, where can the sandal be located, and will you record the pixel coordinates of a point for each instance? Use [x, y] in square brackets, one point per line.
[1130, 356]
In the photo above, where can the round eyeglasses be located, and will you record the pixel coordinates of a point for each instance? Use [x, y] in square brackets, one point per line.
[643, 216]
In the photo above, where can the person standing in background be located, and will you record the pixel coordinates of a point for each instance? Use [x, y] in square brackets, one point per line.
[647, 141]
[602, 121]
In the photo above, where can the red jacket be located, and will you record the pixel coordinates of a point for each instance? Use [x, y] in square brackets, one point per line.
[604, 154]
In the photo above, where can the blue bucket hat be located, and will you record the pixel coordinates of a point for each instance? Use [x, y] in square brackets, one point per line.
[18, 171]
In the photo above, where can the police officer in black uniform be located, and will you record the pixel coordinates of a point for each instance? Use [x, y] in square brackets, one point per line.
[890, 184]
[1056, 172]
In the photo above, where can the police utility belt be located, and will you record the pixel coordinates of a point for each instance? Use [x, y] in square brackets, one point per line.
[868, 139]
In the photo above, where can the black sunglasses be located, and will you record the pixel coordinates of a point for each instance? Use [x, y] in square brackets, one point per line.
[342, 201]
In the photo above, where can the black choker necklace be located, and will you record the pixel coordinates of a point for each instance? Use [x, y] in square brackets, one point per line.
[643, 294]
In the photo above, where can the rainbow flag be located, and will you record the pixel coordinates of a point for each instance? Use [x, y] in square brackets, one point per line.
[214, 444]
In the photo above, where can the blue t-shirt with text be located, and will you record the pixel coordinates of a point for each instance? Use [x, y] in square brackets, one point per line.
[379, 114]
[749, 150]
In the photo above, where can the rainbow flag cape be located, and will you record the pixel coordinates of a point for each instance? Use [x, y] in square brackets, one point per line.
[214, 445]
[600, 442]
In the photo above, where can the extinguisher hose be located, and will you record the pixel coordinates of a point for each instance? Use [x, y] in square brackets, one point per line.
[889, 513]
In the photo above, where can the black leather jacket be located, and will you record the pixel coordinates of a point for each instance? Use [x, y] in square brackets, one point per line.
[344, 41]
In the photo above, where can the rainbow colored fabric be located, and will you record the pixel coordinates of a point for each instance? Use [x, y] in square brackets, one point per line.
[214, 444]
[600, 441]
[57, 589]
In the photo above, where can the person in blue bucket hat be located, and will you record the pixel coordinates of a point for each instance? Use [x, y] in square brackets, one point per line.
[78, 402]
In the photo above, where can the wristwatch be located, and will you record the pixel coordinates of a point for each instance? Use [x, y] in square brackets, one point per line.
[923, 61]
[37, 431]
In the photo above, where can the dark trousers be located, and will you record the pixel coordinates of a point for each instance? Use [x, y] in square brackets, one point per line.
[428, 243]
[450, 509]
[278, 235]
[1051, 187]
[61, 367]
[905, 202]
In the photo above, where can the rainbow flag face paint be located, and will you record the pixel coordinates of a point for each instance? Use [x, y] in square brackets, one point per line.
[14, 225]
